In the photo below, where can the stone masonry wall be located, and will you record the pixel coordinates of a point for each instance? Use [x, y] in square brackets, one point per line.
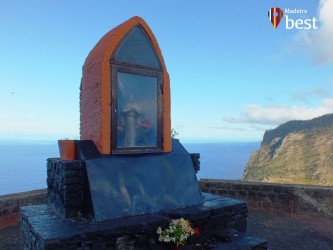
[65, 186]
[291, 199]
[10, 205]
[215, 219]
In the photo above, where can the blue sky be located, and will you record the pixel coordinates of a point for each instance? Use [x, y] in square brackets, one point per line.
[232, 74]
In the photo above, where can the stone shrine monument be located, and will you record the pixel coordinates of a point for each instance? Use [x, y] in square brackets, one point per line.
[127, 176]
[125, 113]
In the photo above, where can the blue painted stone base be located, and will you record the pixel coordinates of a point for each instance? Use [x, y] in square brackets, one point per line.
[43, 228]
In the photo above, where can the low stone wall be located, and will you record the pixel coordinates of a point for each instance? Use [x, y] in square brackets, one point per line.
[11, 203]
[291, 199]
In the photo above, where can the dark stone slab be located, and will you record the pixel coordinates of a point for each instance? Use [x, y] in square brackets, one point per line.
[50, 231]
[85, 149]
[222, 205]
[192, 213]
[128, 185]
[242, 241]
[43, 228]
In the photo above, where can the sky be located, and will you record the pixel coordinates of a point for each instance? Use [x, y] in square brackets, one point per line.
[232, 74]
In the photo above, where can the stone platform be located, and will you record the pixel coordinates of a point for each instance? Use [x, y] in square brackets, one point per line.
[219, 219]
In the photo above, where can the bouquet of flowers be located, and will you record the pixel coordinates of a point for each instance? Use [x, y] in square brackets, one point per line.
[178, 232]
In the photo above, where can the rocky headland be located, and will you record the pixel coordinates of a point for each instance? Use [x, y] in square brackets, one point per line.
[299, 152]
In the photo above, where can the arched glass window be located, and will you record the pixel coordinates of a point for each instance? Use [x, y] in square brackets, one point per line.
[136, 49]
[136, 96]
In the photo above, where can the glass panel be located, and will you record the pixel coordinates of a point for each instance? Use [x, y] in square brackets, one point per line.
[136, 49]
[137, 110]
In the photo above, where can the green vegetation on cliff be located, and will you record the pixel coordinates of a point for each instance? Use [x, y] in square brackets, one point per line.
[322, 122]
[295, 152]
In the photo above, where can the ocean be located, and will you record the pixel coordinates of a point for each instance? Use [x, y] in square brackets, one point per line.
[23, 165]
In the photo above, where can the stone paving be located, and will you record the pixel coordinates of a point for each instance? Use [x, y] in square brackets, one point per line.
[288, 232]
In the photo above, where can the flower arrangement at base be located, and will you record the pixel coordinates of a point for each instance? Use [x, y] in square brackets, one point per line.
[178, 232]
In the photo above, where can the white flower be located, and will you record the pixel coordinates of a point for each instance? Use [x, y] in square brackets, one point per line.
[178, 231]
[167, 238]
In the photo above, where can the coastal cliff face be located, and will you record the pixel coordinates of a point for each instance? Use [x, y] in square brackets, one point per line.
[299, 152]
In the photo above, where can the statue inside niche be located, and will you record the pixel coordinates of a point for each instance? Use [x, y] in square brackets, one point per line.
[131, 111]
[137, 116]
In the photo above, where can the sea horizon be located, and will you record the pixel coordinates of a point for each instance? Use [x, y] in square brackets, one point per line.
[23, 162]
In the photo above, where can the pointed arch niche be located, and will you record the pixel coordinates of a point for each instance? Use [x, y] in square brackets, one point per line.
[125, 92]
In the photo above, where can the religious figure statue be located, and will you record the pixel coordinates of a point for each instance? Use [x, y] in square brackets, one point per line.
[131, 112]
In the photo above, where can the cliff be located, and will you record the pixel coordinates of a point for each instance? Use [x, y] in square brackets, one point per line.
[299, 152]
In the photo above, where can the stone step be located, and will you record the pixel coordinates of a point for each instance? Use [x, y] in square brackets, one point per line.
[241, 241]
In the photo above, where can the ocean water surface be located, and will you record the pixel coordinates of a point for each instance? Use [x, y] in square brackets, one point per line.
[23, 165]
[222, 160]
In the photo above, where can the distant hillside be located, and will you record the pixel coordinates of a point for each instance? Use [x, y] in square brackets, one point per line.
[295, 152]
[294, 126]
